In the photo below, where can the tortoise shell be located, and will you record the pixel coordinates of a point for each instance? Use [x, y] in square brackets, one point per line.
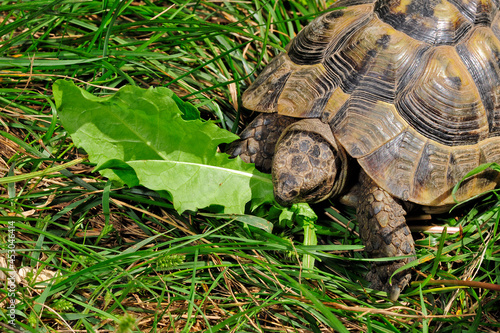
[410, 89]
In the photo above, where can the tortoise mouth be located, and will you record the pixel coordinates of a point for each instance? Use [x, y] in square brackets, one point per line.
[287, 190]
[290, 189]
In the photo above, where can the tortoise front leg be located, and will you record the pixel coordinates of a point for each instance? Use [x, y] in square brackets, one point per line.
[258, 140]
[383, 229]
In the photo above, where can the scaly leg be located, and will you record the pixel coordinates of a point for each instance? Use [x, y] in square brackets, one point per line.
[383, 229]
[258, 140]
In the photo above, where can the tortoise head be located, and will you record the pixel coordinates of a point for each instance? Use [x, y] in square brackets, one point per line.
[307, 164]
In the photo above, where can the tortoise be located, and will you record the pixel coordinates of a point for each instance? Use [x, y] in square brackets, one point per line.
[386, 105]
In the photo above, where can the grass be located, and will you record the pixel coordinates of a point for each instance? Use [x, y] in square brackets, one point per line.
[97, 258]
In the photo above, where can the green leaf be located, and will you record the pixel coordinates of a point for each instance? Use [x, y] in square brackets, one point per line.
[305, 216]
[189, 111]
[152, 138]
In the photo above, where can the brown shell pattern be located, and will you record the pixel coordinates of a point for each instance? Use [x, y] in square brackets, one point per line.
[410, 88]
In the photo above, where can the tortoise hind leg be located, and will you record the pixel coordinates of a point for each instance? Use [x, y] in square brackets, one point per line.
[258, 140]
[384, 232]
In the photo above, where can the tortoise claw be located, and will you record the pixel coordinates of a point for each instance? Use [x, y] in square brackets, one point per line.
[394, 293]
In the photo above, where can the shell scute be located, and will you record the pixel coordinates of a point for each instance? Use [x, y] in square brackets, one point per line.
[367, 126]
[435, 22]
[263, 94]
[490, 151]
[393, 164]
[480, 12]
[306, 92]
[443, 102]
[481, 55]
[327, 33]
[352, 62]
